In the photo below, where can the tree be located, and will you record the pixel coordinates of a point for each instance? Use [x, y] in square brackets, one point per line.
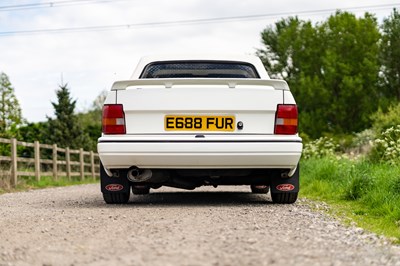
[91, 119]
[290, 47]
[97, 104]
[350, 70]
[293, 52]
[10, 111]
[391, 54]
[65, 130]
[32, 132]
[332, 69]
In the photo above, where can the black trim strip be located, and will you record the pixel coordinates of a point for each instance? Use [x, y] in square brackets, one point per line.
[188, 133]
[198, 141]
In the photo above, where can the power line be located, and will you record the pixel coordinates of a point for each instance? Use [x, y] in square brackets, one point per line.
[52, 4]
[187, 22]
[46, 4]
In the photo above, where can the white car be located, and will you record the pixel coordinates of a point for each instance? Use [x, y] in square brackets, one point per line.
[191, 121]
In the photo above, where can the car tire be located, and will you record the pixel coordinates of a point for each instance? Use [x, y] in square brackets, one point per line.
[116, 198]
[284, 198]
[140, 190]
[259, 189]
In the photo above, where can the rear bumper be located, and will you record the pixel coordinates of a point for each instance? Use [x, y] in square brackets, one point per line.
[191, 152]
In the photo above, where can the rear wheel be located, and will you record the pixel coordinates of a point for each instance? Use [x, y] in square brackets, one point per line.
[140, 189]
[284, 198]
[286, 190]
[116, 198]
[115, 190]
[259, 189]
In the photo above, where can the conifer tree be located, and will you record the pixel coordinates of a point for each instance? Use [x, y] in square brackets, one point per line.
[65, 129]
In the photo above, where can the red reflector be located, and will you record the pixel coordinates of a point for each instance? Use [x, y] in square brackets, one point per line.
[113, 119]
[286, 119]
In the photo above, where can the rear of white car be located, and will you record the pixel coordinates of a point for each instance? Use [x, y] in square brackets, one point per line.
[191, 121]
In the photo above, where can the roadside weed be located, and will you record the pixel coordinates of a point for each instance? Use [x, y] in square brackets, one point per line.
[367, 192]
[387, 146]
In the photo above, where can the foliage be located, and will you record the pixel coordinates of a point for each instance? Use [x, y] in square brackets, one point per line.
[332, 69]
[367, 192]
[91, 120]
[97, 105]
[390, 54]
[384, 120]
[10, 111]
[365, 137]
[32, 132]
[65, 130]
[387, 146]
[86, 125]
[91, 124]
[286, 53]
[359, 144]
[322, 147]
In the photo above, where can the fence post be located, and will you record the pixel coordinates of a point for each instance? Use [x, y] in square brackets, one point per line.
[81, 164]
[14, 163]
[12, 180]
[68, 163]
[92, 165]
[55, 170]
[37, 160]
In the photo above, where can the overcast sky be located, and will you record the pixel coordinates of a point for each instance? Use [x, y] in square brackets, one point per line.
[90, 60]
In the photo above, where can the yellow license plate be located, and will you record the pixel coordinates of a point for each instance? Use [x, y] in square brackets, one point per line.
[199, 123]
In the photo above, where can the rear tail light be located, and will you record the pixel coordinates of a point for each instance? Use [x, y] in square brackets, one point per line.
[286, 119]
[113, 119]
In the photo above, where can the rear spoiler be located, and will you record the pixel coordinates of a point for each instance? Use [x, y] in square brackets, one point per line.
[169, 83]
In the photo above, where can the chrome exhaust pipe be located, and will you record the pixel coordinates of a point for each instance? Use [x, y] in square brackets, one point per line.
[139, 175]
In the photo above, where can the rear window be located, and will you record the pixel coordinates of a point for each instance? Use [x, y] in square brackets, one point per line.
[199, 69]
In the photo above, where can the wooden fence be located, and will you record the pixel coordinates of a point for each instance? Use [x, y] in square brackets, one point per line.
[26, 159]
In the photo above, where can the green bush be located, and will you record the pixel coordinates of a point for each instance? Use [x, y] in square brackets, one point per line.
[387, 146]
[319, 148]
[384, 120]
[363, 138]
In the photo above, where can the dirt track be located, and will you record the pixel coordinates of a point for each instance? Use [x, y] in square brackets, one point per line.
[224, 226]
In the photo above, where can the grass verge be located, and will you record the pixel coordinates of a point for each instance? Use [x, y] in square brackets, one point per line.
[367, 193]
[45, 182]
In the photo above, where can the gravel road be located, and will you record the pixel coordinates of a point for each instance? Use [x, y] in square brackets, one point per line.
[223, 226]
